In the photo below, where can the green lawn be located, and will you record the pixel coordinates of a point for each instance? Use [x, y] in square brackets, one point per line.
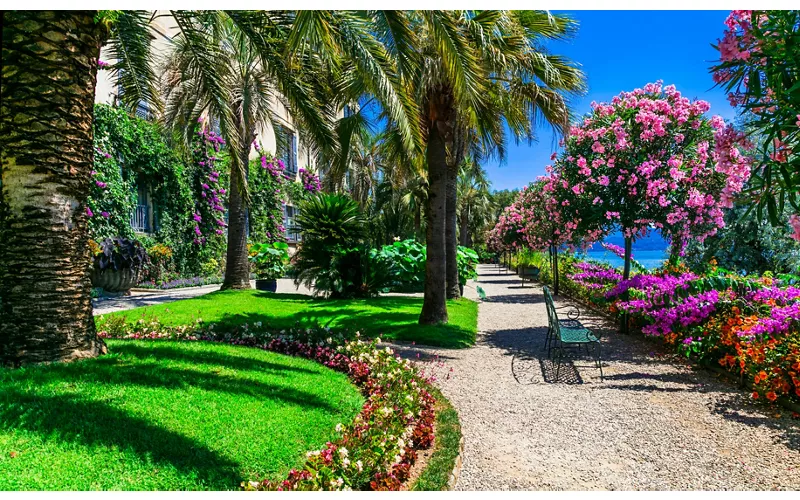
[168, 416]
[390, 317]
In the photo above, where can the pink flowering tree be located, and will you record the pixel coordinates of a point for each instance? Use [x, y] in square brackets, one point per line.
[759, 66]
[648, 160]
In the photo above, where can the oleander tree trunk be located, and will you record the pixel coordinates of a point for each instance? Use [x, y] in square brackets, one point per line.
[434, 305]
[237, 267]
[47, 92]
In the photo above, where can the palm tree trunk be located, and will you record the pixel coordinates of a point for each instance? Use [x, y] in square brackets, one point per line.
[451, 236]
[465, 228]
[417, 220]
[434, 306]
[237, 267]
[46, 112]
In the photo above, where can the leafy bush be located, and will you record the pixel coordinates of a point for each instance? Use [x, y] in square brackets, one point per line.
[332, 258]
[409, 256]
[119, 254]
[269, 259]
[467, 261]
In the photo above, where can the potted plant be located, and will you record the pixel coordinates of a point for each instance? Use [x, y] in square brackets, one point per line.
[269, 263]
[116, 264]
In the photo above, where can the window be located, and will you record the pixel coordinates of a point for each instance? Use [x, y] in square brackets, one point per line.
[290, 227]
[140, 220]
[287, 148]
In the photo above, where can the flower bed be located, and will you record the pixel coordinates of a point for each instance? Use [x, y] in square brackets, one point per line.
[374, 452]
[749, 326]
[181, 283]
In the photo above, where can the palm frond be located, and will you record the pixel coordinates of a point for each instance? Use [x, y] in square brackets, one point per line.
[129, 45]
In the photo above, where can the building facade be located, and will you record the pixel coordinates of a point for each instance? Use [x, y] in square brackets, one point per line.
[284, 138]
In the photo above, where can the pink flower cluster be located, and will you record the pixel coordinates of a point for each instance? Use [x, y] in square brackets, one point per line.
[310, 181]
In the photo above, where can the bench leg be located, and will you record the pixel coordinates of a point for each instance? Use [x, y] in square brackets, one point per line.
[599, 362]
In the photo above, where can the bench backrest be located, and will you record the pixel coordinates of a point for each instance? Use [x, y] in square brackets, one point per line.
[552, 319]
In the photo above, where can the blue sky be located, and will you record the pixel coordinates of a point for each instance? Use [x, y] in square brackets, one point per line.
[623, 50]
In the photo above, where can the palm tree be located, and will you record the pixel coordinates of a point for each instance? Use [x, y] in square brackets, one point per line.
[250, 87]
[48, 84]
[474, 199]
[444, 76]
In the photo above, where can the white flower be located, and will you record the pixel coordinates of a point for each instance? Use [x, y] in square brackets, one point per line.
[396, 238]
[401, 443]
[386, 411]
[343, 452]
[346, 462]
[397, 459]
[359, 465]
[339, 427]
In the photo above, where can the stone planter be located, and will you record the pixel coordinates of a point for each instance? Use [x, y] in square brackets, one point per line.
[116, 282]
[267, 285]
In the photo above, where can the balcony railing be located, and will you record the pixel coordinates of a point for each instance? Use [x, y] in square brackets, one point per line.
[140, 221]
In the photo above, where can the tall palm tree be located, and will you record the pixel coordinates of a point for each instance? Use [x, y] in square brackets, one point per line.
[48, 84]
[445, 75]
[251, 87]
[474, 199]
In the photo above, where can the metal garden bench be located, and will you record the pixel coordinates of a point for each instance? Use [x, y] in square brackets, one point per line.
[564, 334]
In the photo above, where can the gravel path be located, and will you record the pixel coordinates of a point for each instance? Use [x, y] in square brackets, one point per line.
[654, 424]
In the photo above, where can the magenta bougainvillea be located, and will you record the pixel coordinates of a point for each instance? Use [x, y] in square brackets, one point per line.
[208, 216]
[310, 181]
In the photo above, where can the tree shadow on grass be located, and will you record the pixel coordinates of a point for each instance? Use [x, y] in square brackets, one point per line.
[169, 350]
[149, 372]
[90, 423]
[387, 318]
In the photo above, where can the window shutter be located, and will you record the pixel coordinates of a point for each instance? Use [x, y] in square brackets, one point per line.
[294, 152]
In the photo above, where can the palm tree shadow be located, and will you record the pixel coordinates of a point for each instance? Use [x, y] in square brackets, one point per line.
[93, 423]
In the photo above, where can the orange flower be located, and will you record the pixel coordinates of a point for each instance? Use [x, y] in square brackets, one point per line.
[762, 375]
[772, 396]
[755, 394]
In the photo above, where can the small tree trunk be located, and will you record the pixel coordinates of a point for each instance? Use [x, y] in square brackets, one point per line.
[434, 306]
[555, 270]
[451, 236]
[675, 250]
[46, 113]
[626, 274]
[237, 267]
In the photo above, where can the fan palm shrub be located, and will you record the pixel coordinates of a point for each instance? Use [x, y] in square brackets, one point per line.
[332, 259]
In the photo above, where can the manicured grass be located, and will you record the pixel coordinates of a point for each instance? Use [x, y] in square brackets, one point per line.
[390, 317]
[168, 416]
[446, 447]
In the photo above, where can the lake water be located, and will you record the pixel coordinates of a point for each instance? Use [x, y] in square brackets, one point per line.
[650, 259]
